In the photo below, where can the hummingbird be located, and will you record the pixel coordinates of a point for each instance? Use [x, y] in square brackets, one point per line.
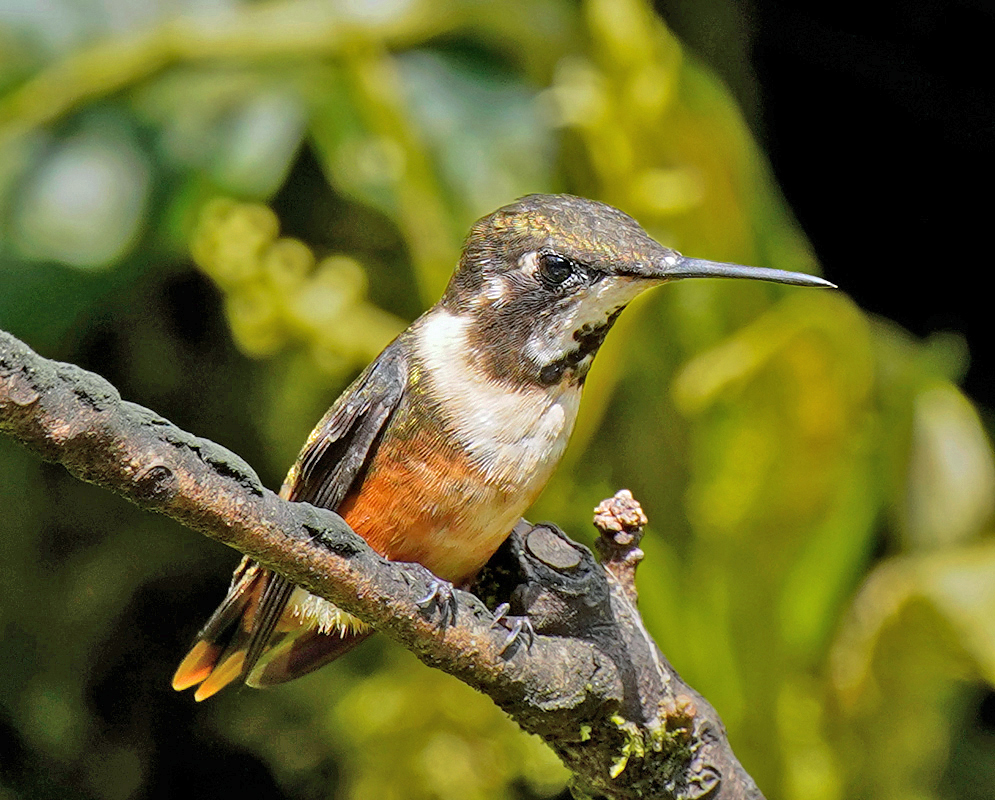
[441, 444]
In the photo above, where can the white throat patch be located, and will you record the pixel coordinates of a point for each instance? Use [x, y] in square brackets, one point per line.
[551, 343]
[514, 436]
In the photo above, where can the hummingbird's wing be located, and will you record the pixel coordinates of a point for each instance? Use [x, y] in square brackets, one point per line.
[242, 628]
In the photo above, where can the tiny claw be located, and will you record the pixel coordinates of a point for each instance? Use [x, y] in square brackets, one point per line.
[516, 626]
[519, 625]
[440, 594]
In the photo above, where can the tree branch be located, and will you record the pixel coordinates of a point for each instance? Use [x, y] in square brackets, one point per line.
[591, 682]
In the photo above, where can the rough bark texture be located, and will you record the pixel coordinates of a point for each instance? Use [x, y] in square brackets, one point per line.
[589, 680]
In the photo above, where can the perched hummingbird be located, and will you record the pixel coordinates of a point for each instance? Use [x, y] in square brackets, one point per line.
[441, 444]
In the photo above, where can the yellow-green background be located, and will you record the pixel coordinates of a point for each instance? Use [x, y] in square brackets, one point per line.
[228, 208]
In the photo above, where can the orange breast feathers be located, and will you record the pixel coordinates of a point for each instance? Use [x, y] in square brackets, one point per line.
[422, 499]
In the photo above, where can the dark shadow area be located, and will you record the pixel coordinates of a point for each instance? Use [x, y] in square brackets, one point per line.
[879, 121]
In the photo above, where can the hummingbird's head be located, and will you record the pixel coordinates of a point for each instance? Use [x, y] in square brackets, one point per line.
[542, 281]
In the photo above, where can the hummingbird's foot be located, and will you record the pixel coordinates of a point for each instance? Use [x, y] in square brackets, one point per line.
[440, 594]
[516, 627]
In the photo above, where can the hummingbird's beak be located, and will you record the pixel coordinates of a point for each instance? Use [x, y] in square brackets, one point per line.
[677, 266]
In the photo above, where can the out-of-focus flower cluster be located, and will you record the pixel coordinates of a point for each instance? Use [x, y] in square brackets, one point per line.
[275, 292]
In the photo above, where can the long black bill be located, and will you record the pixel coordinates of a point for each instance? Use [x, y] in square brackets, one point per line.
[685, 267]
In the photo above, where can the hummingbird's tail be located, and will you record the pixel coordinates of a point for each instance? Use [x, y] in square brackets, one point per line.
[307, 651]
[266, 631]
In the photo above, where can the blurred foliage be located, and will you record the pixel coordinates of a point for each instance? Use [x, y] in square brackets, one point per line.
[820, 560]
[274, 290]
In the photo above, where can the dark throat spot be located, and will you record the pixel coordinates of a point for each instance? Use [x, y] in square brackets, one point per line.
[589, 338]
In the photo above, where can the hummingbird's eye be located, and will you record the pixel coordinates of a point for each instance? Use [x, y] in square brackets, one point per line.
[554, 270]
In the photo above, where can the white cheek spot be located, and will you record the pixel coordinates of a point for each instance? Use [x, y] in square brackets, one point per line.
[498, 290]
[494, 293]
[529, 263]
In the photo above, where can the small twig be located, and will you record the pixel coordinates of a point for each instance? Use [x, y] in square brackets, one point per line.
[620, 521]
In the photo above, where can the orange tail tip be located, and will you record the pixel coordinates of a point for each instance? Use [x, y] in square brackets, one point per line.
[201, 667]
[227, 634]
[196, 666]
[227, 671]
[266, 631]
